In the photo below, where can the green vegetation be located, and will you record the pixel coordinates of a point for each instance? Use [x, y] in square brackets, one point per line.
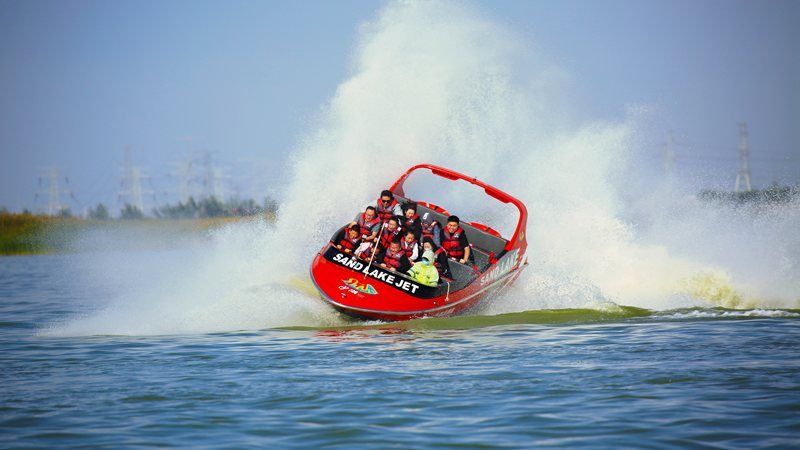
[27, 233]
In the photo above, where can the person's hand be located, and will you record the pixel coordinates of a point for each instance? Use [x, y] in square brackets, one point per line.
[338, 246]
[389, 268]
[347, 250]
[462, 261]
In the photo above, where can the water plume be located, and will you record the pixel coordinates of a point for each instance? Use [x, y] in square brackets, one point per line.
[437, 82]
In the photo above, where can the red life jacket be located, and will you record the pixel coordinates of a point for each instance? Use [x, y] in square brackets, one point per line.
[348, 243]
[385, 213]
[366, 227]
[391, 258]
[450, 243]
[408, 248]
[388, 236]
[427, 229]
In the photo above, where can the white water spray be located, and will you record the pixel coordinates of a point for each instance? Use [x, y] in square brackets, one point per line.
[435, 82]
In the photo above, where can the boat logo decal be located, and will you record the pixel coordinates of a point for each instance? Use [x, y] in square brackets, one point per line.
[364, 288]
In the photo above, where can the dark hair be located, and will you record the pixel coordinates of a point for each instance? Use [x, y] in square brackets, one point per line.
[387, 193]
[396, 220]
[396, 241]
[373, 209]
[430, 240]
[410, 232]
[410, 206]
[453, 219]
[354, 227]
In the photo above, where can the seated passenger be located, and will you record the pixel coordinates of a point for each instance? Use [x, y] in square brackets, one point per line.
[410, 245]
[424, 272]
[439, 257]
[454, 241]
[347, 239]
[388, 206]
[394, 258]
[431, 228]
[391, 231]
[368, 223]
[411, 220]
[369, 226]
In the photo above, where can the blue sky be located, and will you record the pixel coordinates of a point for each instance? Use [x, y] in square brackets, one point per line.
[80, 80]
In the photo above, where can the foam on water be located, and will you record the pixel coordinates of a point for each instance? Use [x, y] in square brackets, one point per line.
[436, 82]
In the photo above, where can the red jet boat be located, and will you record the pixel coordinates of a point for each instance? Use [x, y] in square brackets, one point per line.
[360, 289]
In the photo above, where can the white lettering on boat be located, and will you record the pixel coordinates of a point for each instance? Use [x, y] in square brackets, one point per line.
[505, 265]
[375, 272]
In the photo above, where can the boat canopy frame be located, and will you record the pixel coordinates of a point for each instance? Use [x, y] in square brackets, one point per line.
[497, 194]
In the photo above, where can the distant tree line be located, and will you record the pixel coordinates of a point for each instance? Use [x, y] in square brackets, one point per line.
[774, 194]
[211, 207]
[191, 209]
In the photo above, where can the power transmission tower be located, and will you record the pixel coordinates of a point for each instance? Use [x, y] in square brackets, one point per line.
[213, 178]
[743, 177]
[669, 155]
[186, 171]
[53, 191]
[131, 183]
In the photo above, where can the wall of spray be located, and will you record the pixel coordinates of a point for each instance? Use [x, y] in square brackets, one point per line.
[437, 82]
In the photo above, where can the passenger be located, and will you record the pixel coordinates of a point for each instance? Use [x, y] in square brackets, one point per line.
[391, 231]
[411, 220]
[394, 258]
[439, 255]
[425, 271]
[431, 229]
[387, 206]
[369, 226]
[348, 239]
[454, 241]
[410, 245]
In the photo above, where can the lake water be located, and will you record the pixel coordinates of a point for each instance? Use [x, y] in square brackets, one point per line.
[579, 378]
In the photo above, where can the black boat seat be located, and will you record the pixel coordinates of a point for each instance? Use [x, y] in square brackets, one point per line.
[481, 258]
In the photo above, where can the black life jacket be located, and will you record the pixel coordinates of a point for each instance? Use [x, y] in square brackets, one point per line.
[436, 254]
[408, 248]
[385, 213]
[427, 229]
[451, 245]
[391, 258]
[366, 227]
[348, 243]
[409, 223]
[388, 236]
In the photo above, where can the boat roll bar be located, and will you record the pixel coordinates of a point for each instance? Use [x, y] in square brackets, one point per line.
[519, 232]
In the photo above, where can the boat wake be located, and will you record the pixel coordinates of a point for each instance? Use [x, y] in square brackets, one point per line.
[436, 82]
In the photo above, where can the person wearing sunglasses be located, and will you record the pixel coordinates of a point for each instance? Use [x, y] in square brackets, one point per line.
[388, 206]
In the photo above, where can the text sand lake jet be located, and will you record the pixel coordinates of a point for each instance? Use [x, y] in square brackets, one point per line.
[360, 288]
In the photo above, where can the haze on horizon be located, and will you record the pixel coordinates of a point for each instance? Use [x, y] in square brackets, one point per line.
[245, 81]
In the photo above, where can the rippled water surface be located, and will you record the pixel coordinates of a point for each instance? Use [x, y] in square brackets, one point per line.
[656, 381]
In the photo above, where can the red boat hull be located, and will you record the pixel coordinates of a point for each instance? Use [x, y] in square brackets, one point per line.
[378, 294]
[358, 288]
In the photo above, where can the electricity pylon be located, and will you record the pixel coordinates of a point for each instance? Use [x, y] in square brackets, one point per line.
[743, 177]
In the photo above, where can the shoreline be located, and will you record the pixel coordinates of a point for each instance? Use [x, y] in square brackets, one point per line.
[29, 234]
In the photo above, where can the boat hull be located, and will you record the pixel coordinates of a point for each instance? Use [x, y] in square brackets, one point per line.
[357, 289]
